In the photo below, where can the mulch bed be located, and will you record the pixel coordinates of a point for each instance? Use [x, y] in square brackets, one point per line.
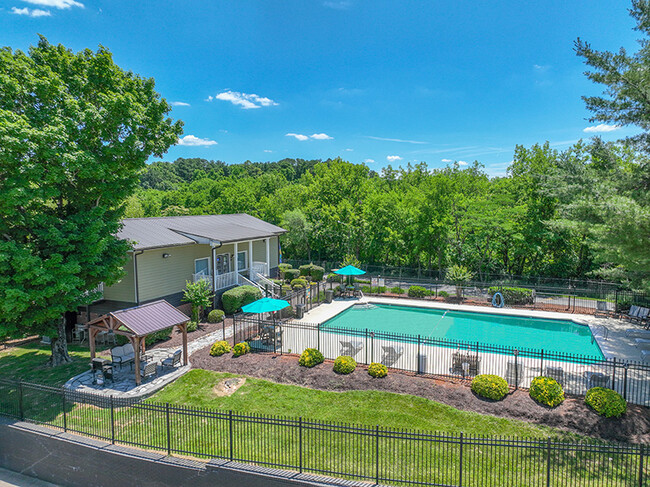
[572, 415]
[203, 329]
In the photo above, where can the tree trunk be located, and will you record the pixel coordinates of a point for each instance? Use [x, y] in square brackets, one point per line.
[60, 346]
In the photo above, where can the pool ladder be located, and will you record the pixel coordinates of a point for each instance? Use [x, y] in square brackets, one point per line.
[605, 333]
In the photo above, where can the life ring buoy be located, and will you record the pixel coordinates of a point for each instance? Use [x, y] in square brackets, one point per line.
[498, 303]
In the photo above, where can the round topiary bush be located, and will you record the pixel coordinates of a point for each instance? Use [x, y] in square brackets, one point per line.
[192, 326]
[291, 274]
[219, 348]
[606, 402]
[490, 386]
[546, 390]
[216, 316]
[417, 292]
[377, 370]
[241, 348]
[311, 357]
[344, 365]
[299, 284]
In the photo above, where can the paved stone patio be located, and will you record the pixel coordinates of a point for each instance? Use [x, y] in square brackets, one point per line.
[124, 386]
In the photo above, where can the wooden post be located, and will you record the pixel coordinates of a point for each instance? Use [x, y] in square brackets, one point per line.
[136, 348]
[184, 330]
[91, 341]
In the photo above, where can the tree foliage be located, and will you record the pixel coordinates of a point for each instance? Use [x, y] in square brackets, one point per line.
[75, 130]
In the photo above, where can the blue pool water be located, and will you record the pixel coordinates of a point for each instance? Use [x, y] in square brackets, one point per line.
[561, 336]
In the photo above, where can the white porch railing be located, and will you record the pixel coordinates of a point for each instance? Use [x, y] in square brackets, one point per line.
[260, 268]
[264, 283]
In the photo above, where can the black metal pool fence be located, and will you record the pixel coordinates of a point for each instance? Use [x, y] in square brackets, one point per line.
[372, 454]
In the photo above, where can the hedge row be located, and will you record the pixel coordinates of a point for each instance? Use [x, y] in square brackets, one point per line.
[514, 295]
[235, 298]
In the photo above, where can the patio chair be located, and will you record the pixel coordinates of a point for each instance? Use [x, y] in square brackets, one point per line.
[391, 354]
[173, 360]
[465, 364]
[641, 316]
[271, 333]
[637, 333]
[150, 369]
[350, 348]
[123, 355]
[514, 373]
[632, 313]
[596, 379]
[556, 373]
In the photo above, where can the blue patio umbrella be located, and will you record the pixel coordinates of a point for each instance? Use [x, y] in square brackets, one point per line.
[349, 270]
[265, 305]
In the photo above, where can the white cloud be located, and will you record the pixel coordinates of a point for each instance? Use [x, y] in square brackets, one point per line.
[447, 160]
[321, 137]
[32, 13]
[396, 140]
[179, 104]
[340, 5]
[603, 127]
[297, 136]
[348, 150]
[209, 98]
[393, 158]
[60, 4]
[193, 141]
[244, 100]
[541, 68]
[462, 163]
[368, 161]
[267, 150]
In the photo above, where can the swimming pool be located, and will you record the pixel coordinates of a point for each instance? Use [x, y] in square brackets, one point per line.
[562, 336]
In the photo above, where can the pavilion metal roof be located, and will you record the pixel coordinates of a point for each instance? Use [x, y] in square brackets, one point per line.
[169, 231]
[150, 318]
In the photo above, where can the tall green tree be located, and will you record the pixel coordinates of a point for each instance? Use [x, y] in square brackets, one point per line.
[75, 130]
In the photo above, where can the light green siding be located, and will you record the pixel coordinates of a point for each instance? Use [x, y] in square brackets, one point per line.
[274, 252]
[123, 290]
[259, 251]
[158, 277]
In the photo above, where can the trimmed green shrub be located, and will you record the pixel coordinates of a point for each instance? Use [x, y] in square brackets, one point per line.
[299, 284]
[606, 402]
[315, 272]
[287, 312]
[291, 274]
[311, 357]
[417, 292]
[216, 316]
[377, 370]
[331, 277]
[192, 326]
[282, 268]
[490, 386]
[219, 348]
[158, 336]
[235, 298]
[546, 390]
[242, 348]
[514, 295]
[286, 289]
[365, 289]
[344, 364]
[397, 290]
[362, 281]
[277, 282]
[443, 294]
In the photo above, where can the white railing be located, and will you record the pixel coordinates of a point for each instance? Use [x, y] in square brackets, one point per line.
[264, 283]
[226, 280]
[260, 268]
[202, 277]
[244, 281]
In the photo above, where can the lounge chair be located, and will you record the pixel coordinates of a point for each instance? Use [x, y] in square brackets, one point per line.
[173, 360]
[514, 374]
[641, 316]
[150, 369]
[632, 313]
[391, 354]
[556, 373]
[350, 348]
[123, 355]
[596, 379]
[643, 343]
[637, 333]
[465, 364]
[645, 355]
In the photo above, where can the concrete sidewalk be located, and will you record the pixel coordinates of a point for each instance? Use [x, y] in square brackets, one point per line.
[9, 478]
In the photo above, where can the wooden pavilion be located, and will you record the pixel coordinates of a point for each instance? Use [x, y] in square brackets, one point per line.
[138, 322]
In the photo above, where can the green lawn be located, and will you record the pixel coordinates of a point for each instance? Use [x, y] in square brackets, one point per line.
[360, 407]
[29, 363]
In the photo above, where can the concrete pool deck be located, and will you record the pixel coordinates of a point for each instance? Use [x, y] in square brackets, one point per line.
[609, 332]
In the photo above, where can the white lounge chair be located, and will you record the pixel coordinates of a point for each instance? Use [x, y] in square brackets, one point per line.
[645, 355]
[391, 354]
[637, 333]
[642, 343]
[350, 348]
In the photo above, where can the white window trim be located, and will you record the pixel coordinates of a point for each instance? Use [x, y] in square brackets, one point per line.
[228, 256]
[209, 265]
[246, 260]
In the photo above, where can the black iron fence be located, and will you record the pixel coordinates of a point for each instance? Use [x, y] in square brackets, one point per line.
[368, 453]
[446, 358]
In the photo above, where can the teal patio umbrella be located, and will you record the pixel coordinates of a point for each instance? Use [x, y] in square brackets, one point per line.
[265, 305]
[349, 270]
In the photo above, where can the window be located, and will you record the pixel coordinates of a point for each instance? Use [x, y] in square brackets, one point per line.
[202, 266]
[242, 260]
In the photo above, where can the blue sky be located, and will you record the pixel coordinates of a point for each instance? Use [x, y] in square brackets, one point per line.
[385, 82]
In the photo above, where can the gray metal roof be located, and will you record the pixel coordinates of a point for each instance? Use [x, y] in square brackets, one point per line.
[169, 231]
[150, 317]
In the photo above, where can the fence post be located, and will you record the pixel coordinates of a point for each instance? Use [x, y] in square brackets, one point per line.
[65, 416]
[223, 328]
[614, 374]
[21, 406]
[300, 441]
[516, 370]
[460, 470]
[366, 347]
[541, 362]
[625, 366]
[231, 435]
[641, 465]
[548, 463]
[418, 357]
[169, 433]
[110, 398]
[377, 454]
